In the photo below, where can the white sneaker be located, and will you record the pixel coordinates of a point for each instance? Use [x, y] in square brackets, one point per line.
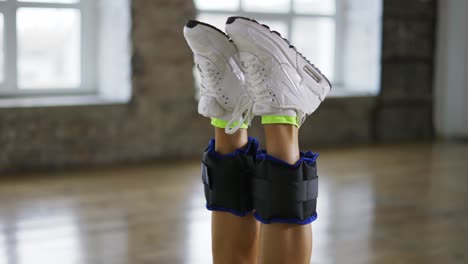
[278, 78]
[220, 88]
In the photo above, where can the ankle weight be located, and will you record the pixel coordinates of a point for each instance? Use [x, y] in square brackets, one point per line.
[285, 193]
[227, 178]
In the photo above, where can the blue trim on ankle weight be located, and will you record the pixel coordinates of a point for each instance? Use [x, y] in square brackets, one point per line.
[251, 143]
[309, 157]
[287, 220]
[228, 210]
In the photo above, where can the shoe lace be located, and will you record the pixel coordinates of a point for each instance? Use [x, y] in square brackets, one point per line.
[257, 90]
[210, 76]
[254, 70]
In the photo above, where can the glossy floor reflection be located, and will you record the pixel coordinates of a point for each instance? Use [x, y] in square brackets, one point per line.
[392, 204]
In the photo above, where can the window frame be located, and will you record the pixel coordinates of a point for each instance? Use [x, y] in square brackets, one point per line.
[9, 87]
[288, 18]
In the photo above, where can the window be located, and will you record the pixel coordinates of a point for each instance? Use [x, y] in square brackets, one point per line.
[2, 55]
[43, 47]
[336, 35]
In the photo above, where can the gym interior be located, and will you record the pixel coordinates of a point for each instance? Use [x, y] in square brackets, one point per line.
[101, 141]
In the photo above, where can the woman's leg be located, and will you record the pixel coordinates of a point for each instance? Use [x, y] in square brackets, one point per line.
[284, 243]
[234, 238]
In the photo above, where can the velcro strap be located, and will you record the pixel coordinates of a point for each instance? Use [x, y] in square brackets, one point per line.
[298, 191]
[204, 174]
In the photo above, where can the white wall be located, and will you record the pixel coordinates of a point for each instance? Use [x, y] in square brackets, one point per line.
[451, 79]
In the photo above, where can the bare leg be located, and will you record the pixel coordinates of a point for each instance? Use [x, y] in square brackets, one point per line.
[284, 243]
[234, 238]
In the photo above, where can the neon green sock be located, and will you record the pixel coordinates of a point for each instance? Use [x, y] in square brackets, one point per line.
[274, 119]
[216, 122]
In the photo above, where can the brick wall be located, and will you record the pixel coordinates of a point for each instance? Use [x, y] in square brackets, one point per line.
[404, 106]
[161, 120]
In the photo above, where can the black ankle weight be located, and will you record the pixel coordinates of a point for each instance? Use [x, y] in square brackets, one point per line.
[227, 178]
[285, 193]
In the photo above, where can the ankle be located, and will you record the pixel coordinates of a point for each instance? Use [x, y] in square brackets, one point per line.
[225, 143]
[282, 142]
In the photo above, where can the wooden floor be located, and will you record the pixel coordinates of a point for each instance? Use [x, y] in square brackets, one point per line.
[391, 204]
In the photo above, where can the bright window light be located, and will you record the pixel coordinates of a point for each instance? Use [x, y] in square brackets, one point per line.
[334, 35]
[228, 5]
[267, 6]
[325, 7]
[48, 48]
[1, 48]
[315, 38]
[52, 1]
